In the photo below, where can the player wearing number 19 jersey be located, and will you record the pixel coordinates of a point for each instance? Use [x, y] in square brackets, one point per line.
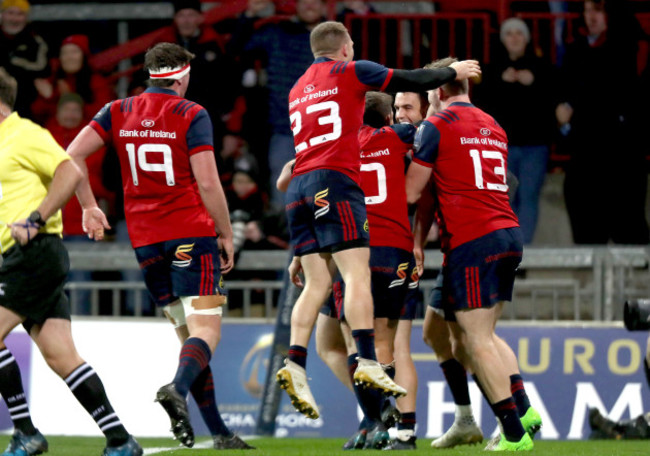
[174, 202]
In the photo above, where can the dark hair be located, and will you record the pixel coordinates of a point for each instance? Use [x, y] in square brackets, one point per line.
[8, 88]
[165, 55]
[379, 107]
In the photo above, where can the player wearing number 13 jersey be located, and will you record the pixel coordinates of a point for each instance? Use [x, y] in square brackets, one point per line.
[174, 202]
[483, 245]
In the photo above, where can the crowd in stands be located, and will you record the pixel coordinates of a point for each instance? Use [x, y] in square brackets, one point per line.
[586, 105]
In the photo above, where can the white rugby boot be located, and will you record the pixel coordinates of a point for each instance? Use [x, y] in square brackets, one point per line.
[370, 374]
[460, 433]
[293, 379]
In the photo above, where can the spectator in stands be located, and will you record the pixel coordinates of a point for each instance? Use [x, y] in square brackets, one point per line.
[67, 123]
[72, 73]
[517, 88]
[210, 67]
[606, 179]
[284, 47]
[23, 53]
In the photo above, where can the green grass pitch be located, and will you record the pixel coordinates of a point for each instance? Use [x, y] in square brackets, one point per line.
[87, 446]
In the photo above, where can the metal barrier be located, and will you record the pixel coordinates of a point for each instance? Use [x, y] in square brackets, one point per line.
[463, 35]
[582, 283]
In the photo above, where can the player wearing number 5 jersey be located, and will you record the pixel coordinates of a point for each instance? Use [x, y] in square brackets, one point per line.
[325, 205]
[173, 202]
[467, 152]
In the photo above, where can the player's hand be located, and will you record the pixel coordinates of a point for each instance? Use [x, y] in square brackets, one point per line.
[93, 222]
[466, 69]
[294, 269]
[23, 231]
[418, 253]
[227, 253]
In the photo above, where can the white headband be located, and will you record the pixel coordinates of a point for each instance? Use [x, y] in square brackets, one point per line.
[169, 73]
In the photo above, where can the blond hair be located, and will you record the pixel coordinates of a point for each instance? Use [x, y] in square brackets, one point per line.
[327, 38]
[451, 88]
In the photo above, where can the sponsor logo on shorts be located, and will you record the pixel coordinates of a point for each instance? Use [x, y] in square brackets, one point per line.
[401, 274]
[2, 289]
[415, 278]
[365, 226]
[322, 203]
[184, 259]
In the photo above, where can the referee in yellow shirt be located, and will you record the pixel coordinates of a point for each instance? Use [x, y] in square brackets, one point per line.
[37, 178]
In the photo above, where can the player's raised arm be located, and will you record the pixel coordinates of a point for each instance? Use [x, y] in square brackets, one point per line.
[427, 79]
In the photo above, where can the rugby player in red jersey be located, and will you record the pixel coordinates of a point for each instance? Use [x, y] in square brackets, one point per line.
[466, 150]
[325, 205]
[173, 202]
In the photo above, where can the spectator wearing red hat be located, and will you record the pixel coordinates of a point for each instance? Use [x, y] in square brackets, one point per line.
[72, 74]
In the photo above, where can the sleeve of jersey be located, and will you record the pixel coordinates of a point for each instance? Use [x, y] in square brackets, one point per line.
[406, 132]
[45, 155]
[102, 122]
[199, 135]
[425, 146]
[372, 74]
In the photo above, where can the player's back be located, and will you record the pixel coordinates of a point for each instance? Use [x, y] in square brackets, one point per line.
[383, 153]
[470, 174]
[154, 135]
[326, 110]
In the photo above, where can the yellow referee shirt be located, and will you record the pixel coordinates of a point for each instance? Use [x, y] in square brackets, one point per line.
[29, 155]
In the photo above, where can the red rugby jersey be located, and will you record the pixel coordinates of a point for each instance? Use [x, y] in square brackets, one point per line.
[468, 151]
[326, 109]
[383, 153]
[154, 135]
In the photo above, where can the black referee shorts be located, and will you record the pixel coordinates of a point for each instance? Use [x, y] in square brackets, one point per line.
[32, 279]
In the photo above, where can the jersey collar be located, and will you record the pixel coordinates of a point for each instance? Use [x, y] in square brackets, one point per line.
[322, 59]
[461, 103]
[160, 90]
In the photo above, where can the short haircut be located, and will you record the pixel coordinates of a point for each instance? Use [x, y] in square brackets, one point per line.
[379, 107]
[8, 88]
[165, 55]
[454, 87]
[327, 38]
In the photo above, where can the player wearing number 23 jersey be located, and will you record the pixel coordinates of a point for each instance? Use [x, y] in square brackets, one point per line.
[468, 152]
[154, 136]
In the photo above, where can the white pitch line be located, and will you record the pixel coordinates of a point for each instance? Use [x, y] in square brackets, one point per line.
[198, 446]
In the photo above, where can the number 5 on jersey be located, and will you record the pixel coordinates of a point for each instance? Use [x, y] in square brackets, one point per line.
[140, 160]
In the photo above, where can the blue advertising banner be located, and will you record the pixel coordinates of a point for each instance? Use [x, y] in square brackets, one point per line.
[566, 369]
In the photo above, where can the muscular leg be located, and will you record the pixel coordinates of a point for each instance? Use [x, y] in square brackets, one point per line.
[353, 266]
[11, 385]
[54, 340]
[478, 347]
[405, 375]
[385, 331]
[331, 348]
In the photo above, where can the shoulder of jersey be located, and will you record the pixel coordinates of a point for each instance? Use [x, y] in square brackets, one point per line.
[181, 106]
[444, 117]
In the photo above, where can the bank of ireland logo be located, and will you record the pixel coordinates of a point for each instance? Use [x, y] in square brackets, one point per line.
[147, 123]
[252, 372]
[182, 254]
[322, 203]
[486, 131]
[401, 274]
[309, 89]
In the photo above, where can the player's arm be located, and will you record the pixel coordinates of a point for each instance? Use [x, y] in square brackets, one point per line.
[94, 222]
[285, 176]
[421, 80]
[204, 168]
[425, 151]
[66, 177]
[424, 217]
